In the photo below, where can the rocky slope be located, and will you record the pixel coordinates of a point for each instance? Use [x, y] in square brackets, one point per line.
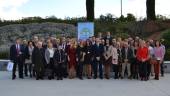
[10, 32]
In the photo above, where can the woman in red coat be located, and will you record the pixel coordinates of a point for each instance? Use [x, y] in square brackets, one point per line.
[72, 59]
[142, 56]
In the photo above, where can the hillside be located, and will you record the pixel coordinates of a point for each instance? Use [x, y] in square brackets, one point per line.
[9, 33]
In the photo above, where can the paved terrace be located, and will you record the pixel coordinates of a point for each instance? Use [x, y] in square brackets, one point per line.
[76, 87]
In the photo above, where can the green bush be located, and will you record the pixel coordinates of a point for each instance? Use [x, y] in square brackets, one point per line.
[167, 55]
[166, 37]
[4, 55]
[122, 35]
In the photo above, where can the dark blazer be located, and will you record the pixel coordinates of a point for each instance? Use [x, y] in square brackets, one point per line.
[79, 52]
[38, 57]
[129, 54]
[13, 53]
[110, 39]
[27, 55]
[97, 51]
[59, 54]
[88, 54]
[119, 51]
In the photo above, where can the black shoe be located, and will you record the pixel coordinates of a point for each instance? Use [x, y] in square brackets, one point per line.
[88, 77]
[41, 78]
[137, 77]
[37, 78]
[26, 75]
[81, 78]
[30, 76]
[58, 78]
[94, 77]
[107, 77]
[156, 78]
[145, 79]
[13, 77]
[129, 77]
[116, 78]
[101, 77]
[162, 75]
[61, 78]
[49, 78]
[21, 77]
[52, 77]
[33, 75]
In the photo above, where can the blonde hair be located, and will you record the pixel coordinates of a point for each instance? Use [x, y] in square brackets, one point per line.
[73, 43]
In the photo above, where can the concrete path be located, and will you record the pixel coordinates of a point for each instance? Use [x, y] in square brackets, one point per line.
[76, 87]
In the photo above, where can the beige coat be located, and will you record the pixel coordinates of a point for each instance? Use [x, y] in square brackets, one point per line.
[114, 55]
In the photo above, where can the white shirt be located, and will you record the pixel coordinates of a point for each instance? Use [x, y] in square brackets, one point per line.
[51, 52]
[63, 46]
[30, 50]
[18, 46]
[151, 51]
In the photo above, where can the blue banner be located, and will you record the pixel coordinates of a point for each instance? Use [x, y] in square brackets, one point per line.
[85, 30]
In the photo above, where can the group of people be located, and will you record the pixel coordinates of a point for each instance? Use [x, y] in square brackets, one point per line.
[97, 57]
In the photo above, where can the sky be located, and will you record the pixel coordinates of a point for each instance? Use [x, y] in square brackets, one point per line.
[16, 9]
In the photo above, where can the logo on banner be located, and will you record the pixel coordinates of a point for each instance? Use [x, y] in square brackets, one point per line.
[85, 30]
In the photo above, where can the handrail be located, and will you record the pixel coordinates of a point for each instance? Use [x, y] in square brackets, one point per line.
[3, 60]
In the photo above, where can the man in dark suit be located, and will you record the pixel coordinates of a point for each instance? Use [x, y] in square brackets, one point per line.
[97, 53]
[65, 45]
[127, 55]
[17, 57]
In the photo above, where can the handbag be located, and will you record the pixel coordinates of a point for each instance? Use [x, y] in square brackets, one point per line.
[153, 61]
[10, 66]
[108, 61]
[28, 61]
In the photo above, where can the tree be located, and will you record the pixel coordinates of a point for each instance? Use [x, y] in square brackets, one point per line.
[90, 10]
[150, 9]
[130, 17]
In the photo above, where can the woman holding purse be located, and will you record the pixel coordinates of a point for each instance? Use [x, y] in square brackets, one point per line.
[28, 53]
[115, 65]
[159, 55]
[108, 58]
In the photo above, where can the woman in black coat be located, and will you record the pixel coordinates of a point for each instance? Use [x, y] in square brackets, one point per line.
[80, 57]
[59, 60]
[88, 59]
[38, 59]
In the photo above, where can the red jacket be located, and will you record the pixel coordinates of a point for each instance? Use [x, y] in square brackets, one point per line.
[142, 53]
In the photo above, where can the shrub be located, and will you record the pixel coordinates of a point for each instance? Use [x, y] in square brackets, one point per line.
[122, 35]
[4, 55]
[166, 42]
